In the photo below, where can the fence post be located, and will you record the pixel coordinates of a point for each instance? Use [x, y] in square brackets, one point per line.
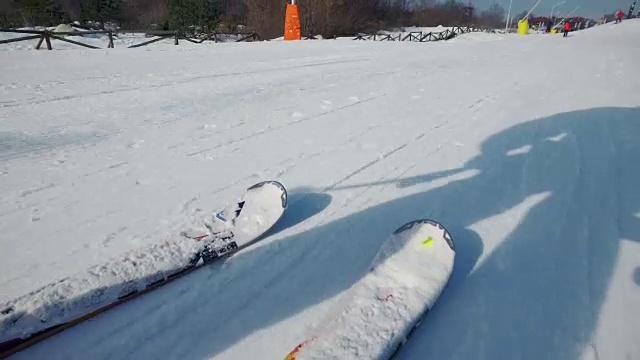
[47, 38]
[40, 42]
[176, 38]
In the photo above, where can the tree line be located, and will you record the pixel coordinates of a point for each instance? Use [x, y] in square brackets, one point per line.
[328, 18]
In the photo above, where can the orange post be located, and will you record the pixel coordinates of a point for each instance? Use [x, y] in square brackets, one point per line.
[292, 23]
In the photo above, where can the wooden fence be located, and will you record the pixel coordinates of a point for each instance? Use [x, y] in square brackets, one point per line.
[45, 36]
[419, 36]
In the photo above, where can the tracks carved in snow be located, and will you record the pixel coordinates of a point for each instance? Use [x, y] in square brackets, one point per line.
[282, 126]
[174, 82]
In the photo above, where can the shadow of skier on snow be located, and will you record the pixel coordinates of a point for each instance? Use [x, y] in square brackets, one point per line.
[537, 294]
[302, 205]
[537, 290]
[549, 204]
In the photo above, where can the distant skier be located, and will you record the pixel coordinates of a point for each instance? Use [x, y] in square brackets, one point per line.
[619, 16]
[566, 28]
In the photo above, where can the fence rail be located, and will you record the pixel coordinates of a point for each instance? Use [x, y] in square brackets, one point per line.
[420, 36]
[46, 36]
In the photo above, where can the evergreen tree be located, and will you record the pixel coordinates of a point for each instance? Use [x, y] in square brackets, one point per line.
[42, 13]
[53, 14]
[110, 10]
[90, 10]
[189, 16]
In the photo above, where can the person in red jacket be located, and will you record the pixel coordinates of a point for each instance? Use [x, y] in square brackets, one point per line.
[566, 28]
[619, 16]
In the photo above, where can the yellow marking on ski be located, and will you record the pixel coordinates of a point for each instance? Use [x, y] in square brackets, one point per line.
[428, 242]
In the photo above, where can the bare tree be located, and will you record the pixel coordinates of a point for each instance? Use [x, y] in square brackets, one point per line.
[494, 17]
[266, 16]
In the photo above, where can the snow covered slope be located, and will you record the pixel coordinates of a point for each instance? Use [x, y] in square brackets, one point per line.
[525, 147]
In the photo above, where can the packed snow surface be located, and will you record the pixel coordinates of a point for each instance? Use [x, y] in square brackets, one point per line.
[525, 147]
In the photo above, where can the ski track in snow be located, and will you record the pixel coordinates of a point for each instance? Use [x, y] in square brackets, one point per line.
[531, 166]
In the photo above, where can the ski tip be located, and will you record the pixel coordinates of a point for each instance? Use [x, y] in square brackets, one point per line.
[267, 182]
[447, 235]
[275, 183]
